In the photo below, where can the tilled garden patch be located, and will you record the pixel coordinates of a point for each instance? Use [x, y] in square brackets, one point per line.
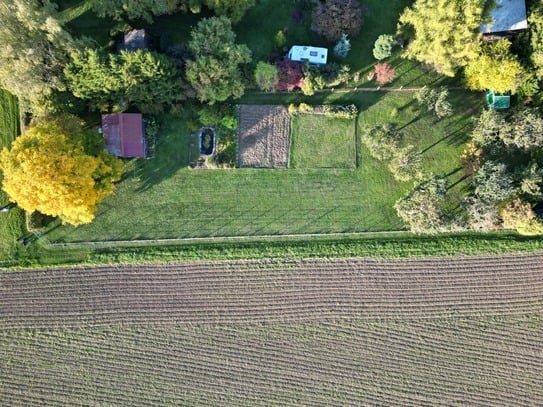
[263, 136]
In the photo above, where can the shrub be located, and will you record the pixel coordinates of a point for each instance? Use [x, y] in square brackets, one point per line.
[382, 140]
[405, 164]
[304, 107]
[435, 100]
[516, 213]
[298, 15]
[37, 220]
[313, 79]
[383, 46]
[332, 18]
[342, 47]
[344, 112]
[493, 182]
[290, 75]
[422, 208]
[266, 76]
[335, 74]
[384, 73]
[471, 158]
[280, 39]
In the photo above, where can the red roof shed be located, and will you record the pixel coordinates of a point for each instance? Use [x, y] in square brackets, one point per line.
[123, 133]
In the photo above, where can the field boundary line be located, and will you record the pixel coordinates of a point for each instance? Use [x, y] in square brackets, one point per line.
[218, 239]
[355, 89]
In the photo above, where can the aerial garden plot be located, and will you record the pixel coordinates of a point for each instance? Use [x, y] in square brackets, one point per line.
[302, 205]
[411, 134]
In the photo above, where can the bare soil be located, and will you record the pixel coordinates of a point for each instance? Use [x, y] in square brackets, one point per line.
[263, 136]
[258, 291]
[462, 331]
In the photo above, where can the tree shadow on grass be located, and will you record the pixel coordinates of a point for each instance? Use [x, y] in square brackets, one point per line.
[457, 137]
[412, 121]
[175, 150]
[458, 181]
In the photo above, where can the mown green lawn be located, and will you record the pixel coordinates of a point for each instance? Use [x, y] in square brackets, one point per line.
[162, 198]
[12, 222]
[320, 141]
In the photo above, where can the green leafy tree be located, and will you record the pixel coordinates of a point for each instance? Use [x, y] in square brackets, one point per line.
[384, 73]
[266, 76]
[444, 33]
[33, 52]
[59, 168]
[493, 182]
[215, 72]
[383, 46]
[382, 140]
[535, 32]
[524, 130]
[142, 78]
[405, 164]
[435, 100]
[488, 127]
[481, 215]
[422, 208]
[233, 9]
[532, 180]
[496, 68]
[332, 18]
[147, 9]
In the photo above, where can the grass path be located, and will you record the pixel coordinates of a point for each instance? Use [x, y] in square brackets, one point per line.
[12, 222]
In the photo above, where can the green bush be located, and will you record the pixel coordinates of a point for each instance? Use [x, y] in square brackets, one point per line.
[266, 76]
[280, 39]
[342, 47]
[382, 140]
[383, 46]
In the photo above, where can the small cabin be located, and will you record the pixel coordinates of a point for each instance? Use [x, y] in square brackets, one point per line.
[313, 55]
[124, 134]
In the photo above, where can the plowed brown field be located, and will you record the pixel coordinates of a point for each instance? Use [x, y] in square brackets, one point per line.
[442, 331]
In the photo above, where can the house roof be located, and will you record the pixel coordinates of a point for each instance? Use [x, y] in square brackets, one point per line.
[123, 133]
[508, 15]
[136, 39]
[302, 53]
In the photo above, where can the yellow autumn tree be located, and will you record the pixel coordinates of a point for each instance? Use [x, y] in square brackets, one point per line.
[59, 168]
[444, 34]
[496, 68]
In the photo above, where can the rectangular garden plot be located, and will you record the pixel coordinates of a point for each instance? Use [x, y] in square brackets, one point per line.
[321, 141]
[263, 136]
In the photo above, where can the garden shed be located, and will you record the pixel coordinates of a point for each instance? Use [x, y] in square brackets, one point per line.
[508, 16]
[497, 102]
[314, 55]
[124, 134]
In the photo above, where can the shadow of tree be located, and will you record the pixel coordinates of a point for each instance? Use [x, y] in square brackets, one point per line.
[173, 152]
